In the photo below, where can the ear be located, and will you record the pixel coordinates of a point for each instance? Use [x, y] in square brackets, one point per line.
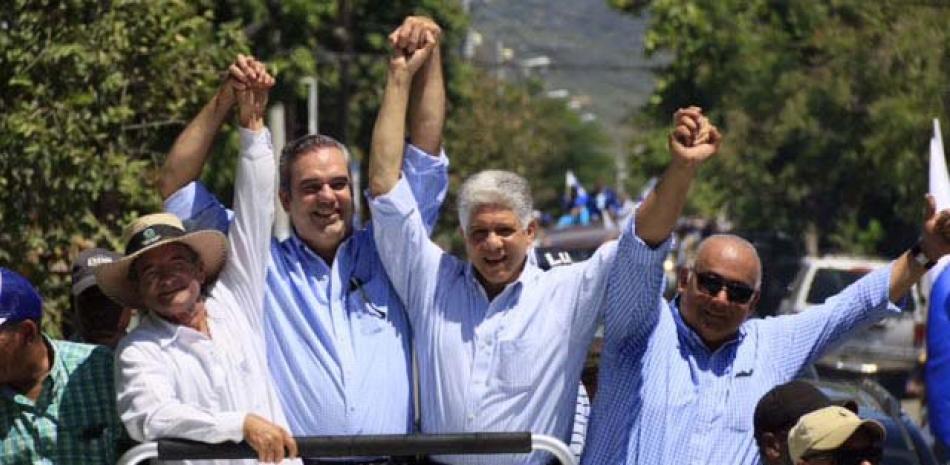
[28, 330]
[531, 230]
[284, 199]
[771, 447]
[682, 279]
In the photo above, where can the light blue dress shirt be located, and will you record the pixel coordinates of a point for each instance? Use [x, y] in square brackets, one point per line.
[509, 364]
[338, 341]
[663, 397]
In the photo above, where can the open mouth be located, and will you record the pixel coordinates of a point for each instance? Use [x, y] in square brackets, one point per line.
[167, 296]
[494, 262]
[326, 217]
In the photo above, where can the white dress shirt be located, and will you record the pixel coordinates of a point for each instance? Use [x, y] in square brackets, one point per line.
[173, 381]
[507, 364]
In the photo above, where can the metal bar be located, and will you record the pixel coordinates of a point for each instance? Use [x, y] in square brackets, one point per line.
[350, 446]
[139, 453]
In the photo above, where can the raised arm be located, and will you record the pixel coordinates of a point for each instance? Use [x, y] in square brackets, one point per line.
[934, 243]
[189, 153]
[389, 132]
[691, 142]
[427, 98]
[807, 335]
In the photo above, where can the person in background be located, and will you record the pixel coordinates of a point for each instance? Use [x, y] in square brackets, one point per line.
[836, 436]
[57, 398]
[777, 412]
[99, 319]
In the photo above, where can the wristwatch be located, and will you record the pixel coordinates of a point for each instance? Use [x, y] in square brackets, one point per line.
[917, 253]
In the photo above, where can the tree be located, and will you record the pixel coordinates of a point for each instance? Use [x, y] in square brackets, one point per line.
[826, 108]
[93, 94]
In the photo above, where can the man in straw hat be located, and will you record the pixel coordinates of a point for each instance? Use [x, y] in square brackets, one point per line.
[57, 398]
[194, 368]
[337, 338]
[835, 435]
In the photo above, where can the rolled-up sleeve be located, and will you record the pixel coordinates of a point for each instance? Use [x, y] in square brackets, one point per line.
[410, 258]
[812, 332]
[634, 288]
[429, 181]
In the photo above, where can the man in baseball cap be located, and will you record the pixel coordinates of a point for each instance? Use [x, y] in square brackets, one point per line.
[57, 398]
[835, 435]
[777, 412]
[98, 319]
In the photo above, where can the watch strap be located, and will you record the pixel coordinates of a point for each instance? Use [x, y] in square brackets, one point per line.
[917, 253]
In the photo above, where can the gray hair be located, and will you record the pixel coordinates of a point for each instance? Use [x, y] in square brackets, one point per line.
[309, 143]
[495, 187]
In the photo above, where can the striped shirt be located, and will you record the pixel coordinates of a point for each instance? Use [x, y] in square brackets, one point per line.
[507, 364]
[74, 419]
[337, 337]
[663, 397]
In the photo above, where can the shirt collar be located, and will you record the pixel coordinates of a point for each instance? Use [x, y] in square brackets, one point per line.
[168, 333]
[527, 275]
[304, 250]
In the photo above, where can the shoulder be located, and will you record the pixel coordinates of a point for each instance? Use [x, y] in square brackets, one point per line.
[73, 354]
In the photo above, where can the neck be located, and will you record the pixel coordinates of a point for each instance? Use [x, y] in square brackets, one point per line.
[39, 361]
[196, 319]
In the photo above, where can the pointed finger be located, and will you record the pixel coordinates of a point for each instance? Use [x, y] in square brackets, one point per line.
[931, 207]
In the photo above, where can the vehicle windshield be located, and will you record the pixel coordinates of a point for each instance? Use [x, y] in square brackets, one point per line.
[829, 281]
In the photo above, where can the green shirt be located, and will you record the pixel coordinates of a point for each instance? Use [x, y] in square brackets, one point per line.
[74, 419]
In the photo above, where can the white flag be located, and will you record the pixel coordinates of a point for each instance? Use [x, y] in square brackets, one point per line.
[940, 189]
[939, 179]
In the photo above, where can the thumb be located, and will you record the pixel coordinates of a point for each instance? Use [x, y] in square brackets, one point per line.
[931, 208]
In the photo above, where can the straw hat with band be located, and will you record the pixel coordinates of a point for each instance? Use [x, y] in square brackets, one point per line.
[827, 429]
[149, 232]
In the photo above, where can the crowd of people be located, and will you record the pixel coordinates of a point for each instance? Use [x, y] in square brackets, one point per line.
[247, 337]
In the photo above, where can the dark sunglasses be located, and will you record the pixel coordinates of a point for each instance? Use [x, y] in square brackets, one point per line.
[711, 283]
[872, 454]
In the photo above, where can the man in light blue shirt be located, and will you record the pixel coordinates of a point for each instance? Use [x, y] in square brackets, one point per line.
[501, 343]
[337, 337]
[679, 381]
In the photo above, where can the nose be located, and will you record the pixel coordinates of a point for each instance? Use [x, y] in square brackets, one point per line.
[721, 295]
[326, 193]
[493, 240]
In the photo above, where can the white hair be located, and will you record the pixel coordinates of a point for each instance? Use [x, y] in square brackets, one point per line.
[495, 187]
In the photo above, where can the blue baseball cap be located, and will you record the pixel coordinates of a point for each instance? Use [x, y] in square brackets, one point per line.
[18, 298]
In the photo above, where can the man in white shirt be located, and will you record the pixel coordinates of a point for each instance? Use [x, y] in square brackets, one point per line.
[195, 368]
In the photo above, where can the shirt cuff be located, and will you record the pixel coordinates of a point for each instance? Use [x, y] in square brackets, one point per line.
[879, 282]
[232, 425]
[255, 144]
[420, 160]
[642, 253]
[399, 199]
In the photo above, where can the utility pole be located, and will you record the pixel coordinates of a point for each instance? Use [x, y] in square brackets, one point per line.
[343, 32]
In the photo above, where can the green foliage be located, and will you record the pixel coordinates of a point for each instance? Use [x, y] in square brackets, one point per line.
[825, 106]
[93, 93]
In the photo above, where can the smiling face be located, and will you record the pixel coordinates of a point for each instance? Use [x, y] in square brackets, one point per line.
[714, 316]
[497, 245]
[169, 280]
[320, 202]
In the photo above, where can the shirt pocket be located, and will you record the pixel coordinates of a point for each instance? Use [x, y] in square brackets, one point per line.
[517, 364]
[372, 315]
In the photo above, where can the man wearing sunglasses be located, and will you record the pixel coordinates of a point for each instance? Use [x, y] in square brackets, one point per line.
[836, 436]
[679, 380]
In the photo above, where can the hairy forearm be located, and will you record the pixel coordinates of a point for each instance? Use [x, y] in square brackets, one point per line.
[904, 273]
[427, 105]
[658, 213]
[388, 134]
[188, 154]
